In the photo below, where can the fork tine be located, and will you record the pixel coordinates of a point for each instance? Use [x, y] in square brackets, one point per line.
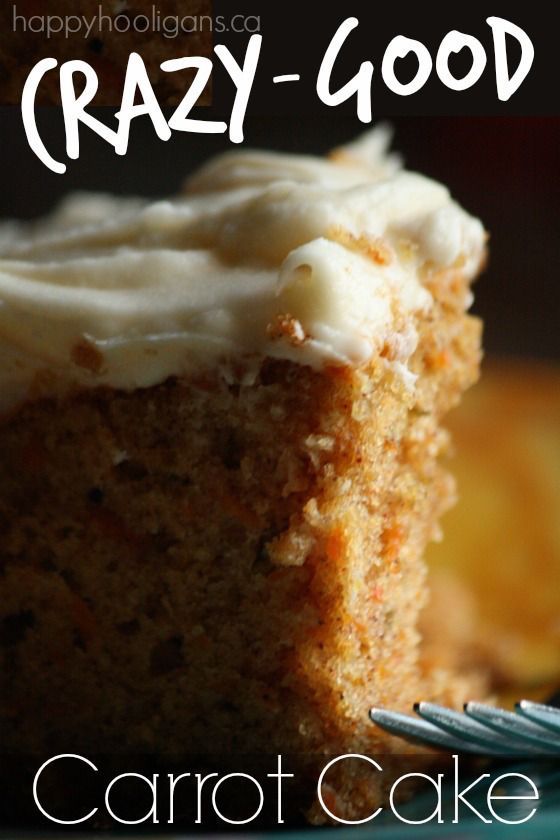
[533, 730]
[458, 724]
[546, 716]
[418, 730]
[515, 726]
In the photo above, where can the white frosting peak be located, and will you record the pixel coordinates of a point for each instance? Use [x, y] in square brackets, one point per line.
[263, 254]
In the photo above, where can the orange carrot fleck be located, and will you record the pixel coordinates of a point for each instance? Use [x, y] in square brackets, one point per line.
[392, 539]
[335, 545]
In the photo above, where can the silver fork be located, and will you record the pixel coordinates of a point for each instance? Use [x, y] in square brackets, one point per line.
[533, 729]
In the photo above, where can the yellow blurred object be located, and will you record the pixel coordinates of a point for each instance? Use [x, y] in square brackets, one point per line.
[496, 574]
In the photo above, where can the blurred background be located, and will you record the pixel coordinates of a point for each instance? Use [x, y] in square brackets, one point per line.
[503, 169]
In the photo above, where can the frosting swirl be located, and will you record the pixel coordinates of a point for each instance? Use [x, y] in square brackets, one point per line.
[261, 255]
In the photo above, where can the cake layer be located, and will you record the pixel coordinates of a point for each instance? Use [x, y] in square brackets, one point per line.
[214, 510]
[321, 262]
[212, 567]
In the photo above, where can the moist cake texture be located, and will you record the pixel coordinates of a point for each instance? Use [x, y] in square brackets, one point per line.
[219, 460]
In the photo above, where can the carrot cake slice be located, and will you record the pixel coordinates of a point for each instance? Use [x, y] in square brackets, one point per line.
[221, 422]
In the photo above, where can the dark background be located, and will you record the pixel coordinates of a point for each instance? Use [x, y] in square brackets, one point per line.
[295, 37]
[503, 169]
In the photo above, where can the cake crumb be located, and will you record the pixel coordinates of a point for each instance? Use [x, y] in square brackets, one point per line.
[286, 326]
[86, 355]
[371, 247]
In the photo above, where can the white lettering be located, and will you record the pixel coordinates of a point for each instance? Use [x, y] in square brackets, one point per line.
[242, 78]
[460, 795]
[73, 106]
[399, 47]
[506, 85]
[179, 120]
[454, 42]
[437, 810]
[320, 785]
[534, 795]
[136, 80]
[28, 114]
[36, 782]
[237, 776]
[279, 775]
[153, 787]
[360, 84]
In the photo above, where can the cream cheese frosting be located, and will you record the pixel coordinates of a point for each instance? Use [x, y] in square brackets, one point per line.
[263, 254]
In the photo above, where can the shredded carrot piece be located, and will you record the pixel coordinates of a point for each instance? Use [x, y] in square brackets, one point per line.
[330, 799]
[371, 247]
[377, 593]
[335, 544]
[439, 360]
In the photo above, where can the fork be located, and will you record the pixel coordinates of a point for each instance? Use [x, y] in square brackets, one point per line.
[533, 729]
